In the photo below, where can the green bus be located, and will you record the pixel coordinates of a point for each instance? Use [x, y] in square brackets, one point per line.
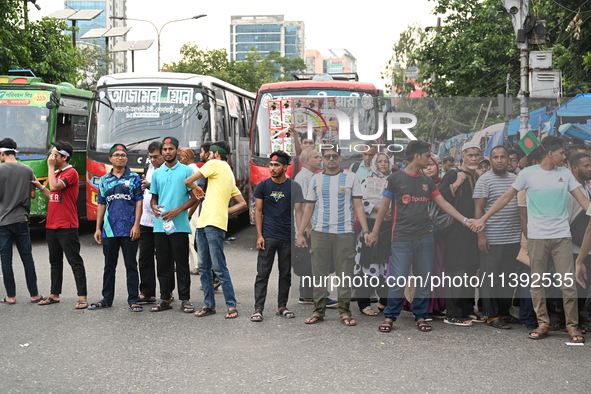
[35, 114]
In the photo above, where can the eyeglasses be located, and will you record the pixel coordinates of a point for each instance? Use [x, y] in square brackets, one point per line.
[331, 156]
[155, 157]
[119, 155]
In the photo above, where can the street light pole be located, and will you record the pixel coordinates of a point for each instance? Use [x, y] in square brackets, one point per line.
[158, 31]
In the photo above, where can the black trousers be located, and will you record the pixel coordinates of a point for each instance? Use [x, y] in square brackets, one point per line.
[264, 266]
[65, 241]
[496, 294]
[459, 301]
[171, 249]
[146, 263]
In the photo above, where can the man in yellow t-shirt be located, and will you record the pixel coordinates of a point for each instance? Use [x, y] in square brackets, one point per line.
[213, 223]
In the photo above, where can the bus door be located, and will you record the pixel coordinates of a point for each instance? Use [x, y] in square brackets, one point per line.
[240, 140]
[72, 126]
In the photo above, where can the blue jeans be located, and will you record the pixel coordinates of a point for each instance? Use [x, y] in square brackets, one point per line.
[210, 248]
[419, 254]
[19, 234]
[111, 246]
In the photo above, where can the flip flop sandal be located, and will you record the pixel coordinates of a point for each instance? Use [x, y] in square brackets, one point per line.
[348, 321]
[98, 305]
[147, 300]
[257, 316]
[206, 312]
[367, 309]
[81, 303]
[542, 332]
[187, 307]
[7, 302]
[233, 314]
[136, 308]
[162, 306]
[314, 319]
[500, 324]
[572, 333]
[38, 299]
[423, 326]
[50, 299]
[386, 326]
[285, 313]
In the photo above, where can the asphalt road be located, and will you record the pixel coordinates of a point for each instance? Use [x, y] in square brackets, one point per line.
[57, 349]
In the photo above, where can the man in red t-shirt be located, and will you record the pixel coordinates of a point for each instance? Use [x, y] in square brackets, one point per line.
[62, 223]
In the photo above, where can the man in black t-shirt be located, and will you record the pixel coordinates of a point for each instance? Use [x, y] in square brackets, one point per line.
[275, 200]
[410, 190]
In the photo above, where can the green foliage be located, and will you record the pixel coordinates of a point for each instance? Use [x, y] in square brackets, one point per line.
[248, 74]
[39, 45]
[471, 53]
[475, 48]
[408, 42]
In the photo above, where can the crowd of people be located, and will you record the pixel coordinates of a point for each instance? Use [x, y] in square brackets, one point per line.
[408, 239]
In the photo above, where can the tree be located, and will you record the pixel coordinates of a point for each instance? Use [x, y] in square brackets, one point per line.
[96, 63]
[394, 73]
[471, 53]
[40, 45]
[248, 74]
[475, 48]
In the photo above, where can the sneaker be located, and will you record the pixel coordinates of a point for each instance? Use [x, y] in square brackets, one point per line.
[438, 315]
[428, 318]
[330, 303]
[457, 322]
[307, 301]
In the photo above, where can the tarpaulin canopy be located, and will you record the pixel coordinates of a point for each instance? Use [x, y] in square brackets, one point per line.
[540, 115]
[581, 131]
[576, 110]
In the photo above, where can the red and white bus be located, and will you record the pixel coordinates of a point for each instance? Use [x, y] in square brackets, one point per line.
[136, 109]
[344, 113]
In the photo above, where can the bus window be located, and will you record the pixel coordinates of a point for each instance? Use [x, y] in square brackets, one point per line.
[222, 122]
[242, 124]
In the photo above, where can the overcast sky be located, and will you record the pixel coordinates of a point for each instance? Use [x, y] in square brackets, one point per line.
[366, 28]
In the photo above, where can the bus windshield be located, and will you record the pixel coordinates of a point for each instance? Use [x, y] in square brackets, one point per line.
[138, 115]
[316, 111]
[25, 118]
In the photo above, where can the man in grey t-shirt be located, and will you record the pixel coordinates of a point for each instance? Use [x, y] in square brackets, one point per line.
[499, 242]
[16, 191]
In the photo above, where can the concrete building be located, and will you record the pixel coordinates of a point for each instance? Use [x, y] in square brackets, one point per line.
[110, 8]
[335, 62]
[266, 33]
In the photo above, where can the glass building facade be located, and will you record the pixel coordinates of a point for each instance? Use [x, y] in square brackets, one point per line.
[110, 8]
[265, 33]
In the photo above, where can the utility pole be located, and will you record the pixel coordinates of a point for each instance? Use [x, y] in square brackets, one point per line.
[518, 11]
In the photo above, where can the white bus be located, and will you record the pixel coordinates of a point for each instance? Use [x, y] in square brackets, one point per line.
[137, 108]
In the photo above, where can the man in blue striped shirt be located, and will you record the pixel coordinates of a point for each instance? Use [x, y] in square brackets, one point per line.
[332, 198]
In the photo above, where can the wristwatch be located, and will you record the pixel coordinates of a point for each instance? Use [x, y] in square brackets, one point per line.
[365, 232]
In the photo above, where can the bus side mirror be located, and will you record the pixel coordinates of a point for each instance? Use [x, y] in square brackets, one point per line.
[50, 105]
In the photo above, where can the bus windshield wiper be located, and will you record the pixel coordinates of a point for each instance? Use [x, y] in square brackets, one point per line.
[133, 144]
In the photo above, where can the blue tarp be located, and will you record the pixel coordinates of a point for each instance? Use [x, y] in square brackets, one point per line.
[577, 130]
[578, 107]
[497, 139]
[535, 117]
[458, 139]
